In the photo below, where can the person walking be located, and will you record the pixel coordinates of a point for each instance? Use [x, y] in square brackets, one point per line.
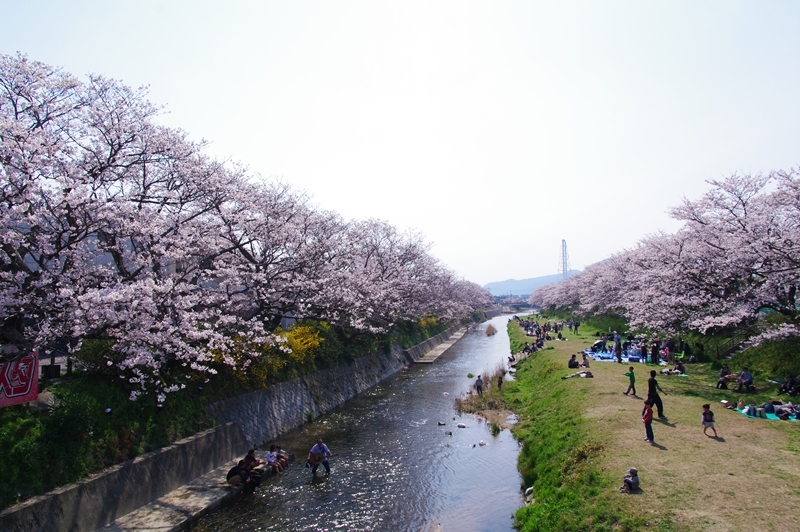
[708, 420]
[479, 385]
[652, 393]
[319, 454]
[632, 378]
[647, 419]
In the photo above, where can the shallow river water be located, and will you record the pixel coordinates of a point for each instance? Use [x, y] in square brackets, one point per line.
[395, 468]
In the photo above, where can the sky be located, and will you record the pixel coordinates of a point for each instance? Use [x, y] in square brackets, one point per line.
[496, 129]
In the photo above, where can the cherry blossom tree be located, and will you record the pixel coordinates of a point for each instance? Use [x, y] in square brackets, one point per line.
[107, 222]
[113, 227]
[736, 257]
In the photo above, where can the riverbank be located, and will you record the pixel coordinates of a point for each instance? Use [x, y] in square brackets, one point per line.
[157, 490]
[579, 436]
[402, 460]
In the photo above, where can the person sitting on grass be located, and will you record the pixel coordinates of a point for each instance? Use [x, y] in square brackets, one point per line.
[745, 380]
[573, 362]
[678, 369]
[630, 482]
[724, 377]
[789, 386]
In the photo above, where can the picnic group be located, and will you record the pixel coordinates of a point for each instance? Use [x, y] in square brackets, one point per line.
[670, 355]
[250, 470]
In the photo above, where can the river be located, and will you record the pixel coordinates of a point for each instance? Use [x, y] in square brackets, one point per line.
[395, 468]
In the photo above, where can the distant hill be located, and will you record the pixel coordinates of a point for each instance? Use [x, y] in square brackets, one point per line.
[523, 287]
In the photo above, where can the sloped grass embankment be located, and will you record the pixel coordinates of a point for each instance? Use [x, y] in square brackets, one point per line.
[579, 436]
[560, 459]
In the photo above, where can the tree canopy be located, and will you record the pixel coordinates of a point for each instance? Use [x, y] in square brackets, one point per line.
[115, 227]
[736, 257]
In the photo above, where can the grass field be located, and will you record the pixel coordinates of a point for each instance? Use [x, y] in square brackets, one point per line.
[580, 436]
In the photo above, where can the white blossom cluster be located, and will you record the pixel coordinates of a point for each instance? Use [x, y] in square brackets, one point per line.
[117, 228]
[736, 257]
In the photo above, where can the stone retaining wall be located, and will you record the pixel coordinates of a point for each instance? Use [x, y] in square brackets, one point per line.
[415, 353]
[267, 414]
[106, 496]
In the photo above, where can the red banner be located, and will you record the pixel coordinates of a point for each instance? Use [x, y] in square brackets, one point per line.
[19, 380]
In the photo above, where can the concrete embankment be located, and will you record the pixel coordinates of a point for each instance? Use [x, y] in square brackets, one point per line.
[119, 490]
[418, 352]
[429, 351]
[168, 489]
[265, 415]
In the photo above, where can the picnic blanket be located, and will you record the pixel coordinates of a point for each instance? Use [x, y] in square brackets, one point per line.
[769, 416]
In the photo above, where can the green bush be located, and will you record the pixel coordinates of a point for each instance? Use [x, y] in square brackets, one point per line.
[23, 459]
[45, 449]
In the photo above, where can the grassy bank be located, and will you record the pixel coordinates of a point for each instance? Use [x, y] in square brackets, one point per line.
[561, 457]
[579, 436]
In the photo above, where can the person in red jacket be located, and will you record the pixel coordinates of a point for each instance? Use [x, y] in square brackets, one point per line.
[647, 419]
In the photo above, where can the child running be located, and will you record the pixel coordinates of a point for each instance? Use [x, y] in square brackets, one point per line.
[708, 420]
[632, 385]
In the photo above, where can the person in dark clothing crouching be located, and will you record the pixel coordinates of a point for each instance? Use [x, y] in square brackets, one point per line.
[238, 476]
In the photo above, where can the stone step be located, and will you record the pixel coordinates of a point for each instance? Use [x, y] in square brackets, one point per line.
[439, 350]
[178, 509]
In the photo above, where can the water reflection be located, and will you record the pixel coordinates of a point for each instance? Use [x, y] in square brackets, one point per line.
[395, 468]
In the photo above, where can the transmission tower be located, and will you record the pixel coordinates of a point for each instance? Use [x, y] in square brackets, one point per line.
[564, 262]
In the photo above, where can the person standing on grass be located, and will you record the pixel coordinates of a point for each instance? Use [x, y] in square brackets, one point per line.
[632, 385]
[479, 385]
[618, 347]
[652, 393]
[647, 419]
[500, 383]
[708, 420]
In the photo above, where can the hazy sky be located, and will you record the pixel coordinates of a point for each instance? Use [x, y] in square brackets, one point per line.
[496, 129]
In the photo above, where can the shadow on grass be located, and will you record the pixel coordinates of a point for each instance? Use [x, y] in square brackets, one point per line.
[664, 421]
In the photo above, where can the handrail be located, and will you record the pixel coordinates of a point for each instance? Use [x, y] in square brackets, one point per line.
[734, 343]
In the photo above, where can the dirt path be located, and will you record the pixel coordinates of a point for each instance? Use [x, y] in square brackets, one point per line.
[746, 480]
